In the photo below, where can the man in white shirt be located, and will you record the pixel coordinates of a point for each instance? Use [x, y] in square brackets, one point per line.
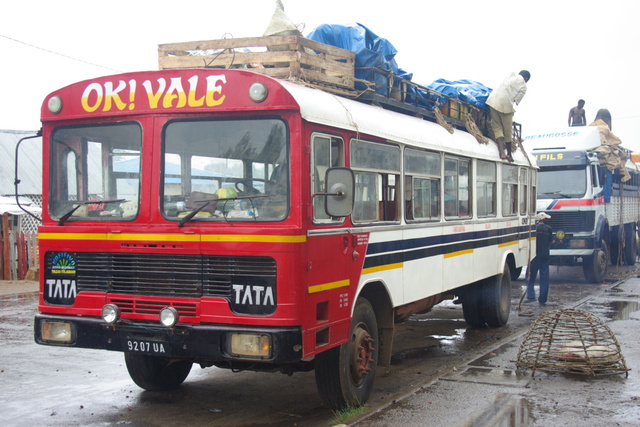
[500, 103]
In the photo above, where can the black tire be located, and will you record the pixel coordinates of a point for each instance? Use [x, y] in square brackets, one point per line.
[595, 267]
[156, 373]
[496, 298]
[630, 246]
[345, 374]
[515, 273]
[614, 250]
[472, 305]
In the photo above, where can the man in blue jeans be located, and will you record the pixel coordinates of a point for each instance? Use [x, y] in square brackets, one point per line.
[544, 235]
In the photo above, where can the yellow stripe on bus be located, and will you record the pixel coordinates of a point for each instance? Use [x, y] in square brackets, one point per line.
[72, 236]
[328, 286]
[502, 245]
[452, 254]
[175, 237]
[253, 238]
[382, 268]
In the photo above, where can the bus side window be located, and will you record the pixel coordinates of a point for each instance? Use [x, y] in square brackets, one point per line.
[422, 185]
[456, 188]
[534, 192]
[328, 151]
[509, 190]
[524, 188]
[377, 179]
[486, 189]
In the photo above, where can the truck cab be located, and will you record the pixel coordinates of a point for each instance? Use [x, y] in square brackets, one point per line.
[593, 206]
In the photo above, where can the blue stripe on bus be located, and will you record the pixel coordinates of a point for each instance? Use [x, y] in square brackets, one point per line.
[399, 245]
[398, 251]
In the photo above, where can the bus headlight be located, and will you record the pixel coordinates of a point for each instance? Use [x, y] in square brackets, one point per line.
[56, 331]
[249, 345]
[110, 313]
[169, 316]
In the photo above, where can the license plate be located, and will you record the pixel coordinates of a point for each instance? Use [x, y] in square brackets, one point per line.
[147, 347]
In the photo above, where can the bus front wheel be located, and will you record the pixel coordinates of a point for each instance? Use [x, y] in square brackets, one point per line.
[345, 374]
[156, 373]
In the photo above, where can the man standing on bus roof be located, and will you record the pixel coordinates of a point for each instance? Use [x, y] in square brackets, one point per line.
[544, 235]
[500, 103]
[577, 115]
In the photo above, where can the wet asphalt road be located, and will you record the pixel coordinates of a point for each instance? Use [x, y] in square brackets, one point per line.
[42, 385]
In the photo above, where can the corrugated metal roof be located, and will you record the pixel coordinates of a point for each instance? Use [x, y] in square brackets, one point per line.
[30, 163]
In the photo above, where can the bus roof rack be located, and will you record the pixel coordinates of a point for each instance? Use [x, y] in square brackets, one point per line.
[328, 68]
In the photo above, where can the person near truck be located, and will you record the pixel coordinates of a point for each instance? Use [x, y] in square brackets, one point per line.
[544, 235]
[577, 115]
[501, 109]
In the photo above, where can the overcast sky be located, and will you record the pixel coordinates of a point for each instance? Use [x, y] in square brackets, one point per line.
[573, 49]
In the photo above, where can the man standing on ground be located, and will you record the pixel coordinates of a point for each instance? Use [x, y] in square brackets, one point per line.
[577, 115]
[501, 108]
[544, 234]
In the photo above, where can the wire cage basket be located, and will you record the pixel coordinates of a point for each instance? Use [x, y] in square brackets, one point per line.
[571, 341]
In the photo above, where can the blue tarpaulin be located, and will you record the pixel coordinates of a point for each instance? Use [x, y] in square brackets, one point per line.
[371, 51]
[375, 59]
[469, 91]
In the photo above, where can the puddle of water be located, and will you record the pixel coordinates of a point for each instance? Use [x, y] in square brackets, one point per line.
[506, 411]
[459, 334]
[619, 310]
[494, 376]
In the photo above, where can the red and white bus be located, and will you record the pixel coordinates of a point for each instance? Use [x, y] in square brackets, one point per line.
[230, 219]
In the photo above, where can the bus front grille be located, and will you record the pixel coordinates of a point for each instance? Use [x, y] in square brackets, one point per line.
[169, 275]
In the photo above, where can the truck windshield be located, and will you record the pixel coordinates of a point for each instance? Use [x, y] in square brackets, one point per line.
[95, 172]
[562, 183]
[225, 170]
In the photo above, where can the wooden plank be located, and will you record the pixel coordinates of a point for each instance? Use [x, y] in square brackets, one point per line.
[301, 58]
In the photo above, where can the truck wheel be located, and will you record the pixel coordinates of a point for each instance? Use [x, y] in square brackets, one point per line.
[345, 374]
[497, 299]
[156, 373]
[630, 246]
[614, 250]
[472, 305]
[595, 267]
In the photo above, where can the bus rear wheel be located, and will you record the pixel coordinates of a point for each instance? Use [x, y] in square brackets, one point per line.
[156, 373]
[497, 299]
[345, 374]
[472, 305]
[595, 266]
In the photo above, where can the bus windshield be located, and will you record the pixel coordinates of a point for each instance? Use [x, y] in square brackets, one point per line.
[562, 183]
[95, 172]
[225, 170]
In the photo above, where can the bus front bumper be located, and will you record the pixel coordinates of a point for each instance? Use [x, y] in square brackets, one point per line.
[212, 343]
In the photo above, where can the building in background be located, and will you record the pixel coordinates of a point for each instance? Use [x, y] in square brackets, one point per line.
[19, 235]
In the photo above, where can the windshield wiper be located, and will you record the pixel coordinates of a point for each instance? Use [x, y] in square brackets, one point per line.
[206, 203]
[66, 216]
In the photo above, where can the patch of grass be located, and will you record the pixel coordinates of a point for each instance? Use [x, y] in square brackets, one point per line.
[347, 413]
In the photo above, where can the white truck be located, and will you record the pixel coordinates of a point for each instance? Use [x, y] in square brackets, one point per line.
[594, 207]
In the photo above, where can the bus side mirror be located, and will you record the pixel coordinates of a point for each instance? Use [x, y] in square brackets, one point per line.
[340, 192]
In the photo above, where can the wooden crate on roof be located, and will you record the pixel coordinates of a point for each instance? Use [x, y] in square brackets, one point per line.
[286, 57]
